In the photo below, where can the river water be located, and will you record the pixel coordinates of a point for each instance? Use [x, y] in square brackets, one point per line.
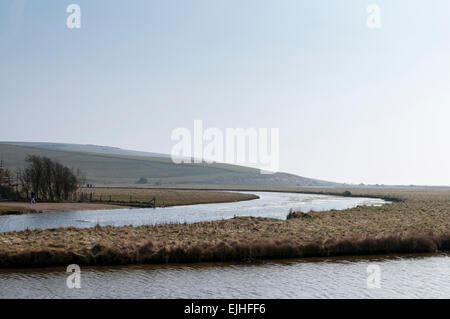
[419, 276]
[399, 277]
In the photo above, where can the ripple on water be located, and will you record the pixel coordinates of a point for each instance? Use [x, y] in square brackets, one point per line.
[405, 277]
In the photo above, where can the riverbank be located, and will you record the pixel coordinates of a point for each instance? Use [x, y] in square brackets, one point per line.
[117, 198]
[21, 208]
[141, 197]
[418, 222]
[14, 210]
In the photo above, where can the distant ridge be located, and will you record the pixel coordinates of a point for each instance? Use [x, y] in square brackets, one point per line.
[89, 148]
[106, 165]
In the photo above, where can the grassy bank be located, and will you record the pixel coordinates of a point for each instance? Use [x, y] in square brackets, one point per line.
[103, 198]
[163, 197]
[10, 210]
[418, 222]
[21, 208]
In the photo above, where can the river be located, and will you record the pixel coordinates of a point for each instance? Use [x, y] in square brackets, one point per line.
[270, 204]
[400, 277]
[409, 276]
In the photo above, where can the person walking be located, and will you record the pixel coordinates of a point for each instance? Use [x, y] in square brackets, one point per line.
[33, 200]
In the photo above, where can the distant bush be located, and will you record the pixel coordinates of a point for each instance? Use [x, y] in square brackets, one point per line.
[347, 193]
[142, 180]
[294, 214]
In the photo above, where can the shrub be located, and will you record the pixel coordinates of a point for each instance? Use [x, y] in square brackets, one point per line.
[299, 214]
[142, 180]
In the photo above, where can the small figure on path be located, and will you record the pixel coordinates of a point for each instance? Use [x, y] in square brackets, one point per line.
[33, 201]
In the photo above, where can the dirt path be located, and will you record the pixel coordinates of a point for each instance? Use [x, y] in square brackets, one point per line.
[58, 207]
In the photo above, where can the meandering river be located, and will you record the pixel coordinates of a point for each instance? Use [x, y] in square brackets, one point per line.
[420, 276]
[270, 204]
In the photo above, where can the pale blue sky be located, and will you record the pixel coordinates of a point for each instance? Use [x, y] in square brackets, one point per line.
[353, 104]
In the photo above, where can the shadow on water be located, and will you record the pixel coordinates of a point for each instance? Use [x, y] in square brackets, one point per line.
[209, 265]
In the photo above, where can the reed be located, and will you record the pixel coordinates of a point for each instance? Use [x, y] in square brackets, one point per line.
[220, 251]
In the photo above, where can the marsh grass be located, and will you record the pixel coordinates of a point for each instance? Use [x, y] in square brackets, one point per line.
[153, 252]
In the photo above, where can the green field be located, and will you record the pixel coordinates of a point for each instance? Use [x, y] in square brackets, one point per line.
[107, 169]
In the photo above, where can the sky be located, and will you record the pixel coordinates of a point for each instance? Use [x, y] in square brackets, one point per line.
[352, 104]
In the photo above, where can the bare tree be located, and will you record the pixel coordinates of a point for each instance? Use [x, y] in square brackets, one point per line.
[25, 181]
[5, 183]
[81, 178]
[49, 179]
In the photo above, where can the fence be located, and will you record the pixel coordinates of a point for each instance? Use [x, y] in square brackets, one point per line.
[117, 198]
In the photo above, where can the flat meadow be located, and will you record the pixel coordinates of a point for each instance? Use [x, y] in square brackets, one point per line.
[139, 196]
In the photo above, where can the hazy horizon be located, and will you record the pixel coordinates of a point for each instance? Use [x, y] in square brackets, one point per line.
[352, 104]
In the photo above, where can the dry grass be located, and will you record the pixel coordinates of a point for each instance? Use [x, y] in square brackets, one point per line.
[419, 222]
[13, 210]
[20, 208]
[163, 197]
[105, 198]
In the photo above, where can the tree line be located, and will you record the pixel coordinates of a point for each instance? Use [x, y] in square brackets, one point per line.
[5, 182]
[49, 179]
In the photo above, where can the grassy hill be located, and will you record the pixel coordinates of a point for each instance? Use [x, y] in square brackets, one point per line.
[117, 166]
[86, 148]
